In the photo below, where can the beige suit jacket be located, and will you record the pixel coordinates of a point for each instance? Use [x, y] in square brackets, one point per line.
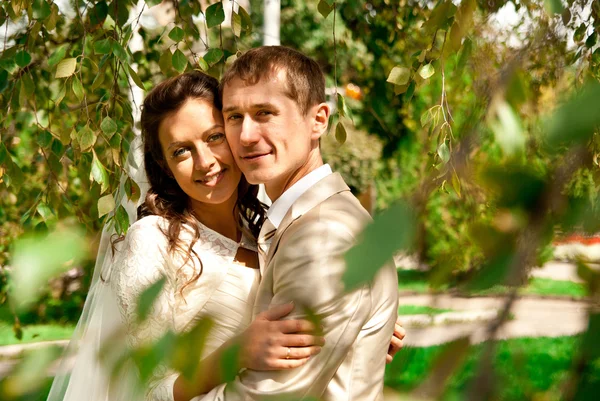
[305, 264]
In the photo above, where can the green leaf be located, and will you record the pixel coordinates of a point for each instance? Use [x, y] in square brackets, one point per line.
[179, 60]
[202, 64]
[343, 108]
[506, 126]
[465, 55]
[22, 58]
[575, 121]
[132, 190]
[148, 297]
[121, 220]
[66, 68]
[152, 3]
[106, 204]
[340, 133]
[554, 6]
[246, 20]
[426, 71]
[78, 89]
[443, 152]
[120, 52]
[108, 126]
[35, 259]
[60, 95]
[58, 55]
[165, 63]
[135, 77]
[391, 231]
[215, 15]
[236, 24]
[44, 139]
[176, 34]
[103, 46]
[589, 43]
[194, 339]
[410, 91]
[324, 8]
[45, 211]
[399, 76]
[41, 9]
[493, 272]
[28, 85]
[86, 138]
[9, 65]
[98, 13]
[99, 174]
[213, 56]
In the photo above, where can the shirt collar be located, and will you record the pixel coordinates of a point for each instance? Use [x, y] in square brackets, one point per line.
[280, 207]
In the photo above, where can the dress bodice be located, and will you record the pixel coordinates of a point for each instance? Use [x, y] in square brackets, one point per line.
[223, 292]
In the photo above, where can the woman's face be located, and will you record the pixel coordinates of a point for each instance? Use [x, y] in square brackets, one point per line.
[197, 154]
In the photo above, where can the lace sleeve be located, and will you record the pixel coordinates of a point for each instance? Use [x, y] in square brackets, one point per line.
[142, 261]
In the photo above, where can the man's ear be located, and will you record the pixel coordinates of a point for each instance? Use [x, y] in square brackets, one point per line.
[321, 120]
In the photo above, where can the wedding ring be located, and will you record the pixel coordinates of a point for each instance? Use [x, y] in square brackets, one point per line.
[289, 351]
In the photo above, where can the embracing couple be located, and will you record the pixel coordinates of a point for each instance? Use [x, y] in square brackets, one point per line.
[261, 276]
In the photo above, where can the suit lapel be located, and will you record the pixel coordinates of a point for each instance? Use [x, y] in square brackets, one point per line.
[317, 194]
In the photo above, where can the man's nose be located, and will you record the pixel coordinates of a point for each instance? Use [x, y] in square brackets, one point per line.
[250, 132]
[205, 159]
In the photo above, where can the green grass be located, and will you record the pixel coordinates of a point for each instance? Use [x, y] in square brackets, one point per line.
[34, 333]
[416, 281]
[420, 309]
[525, 369]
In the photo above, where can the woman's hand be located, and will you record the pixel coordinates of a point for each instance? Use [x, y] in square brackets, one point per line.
[396, 343]
[270, 343]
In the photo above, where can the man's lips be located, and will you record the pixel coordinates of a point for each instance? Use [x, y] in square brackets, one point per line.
[255, 156]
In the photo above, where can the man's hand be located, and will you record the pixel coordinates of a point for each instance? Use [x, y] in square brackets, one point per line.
[396, 343]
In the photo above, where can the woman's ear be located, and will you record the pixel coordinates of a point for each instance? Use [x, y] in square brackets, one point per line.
[321, 120]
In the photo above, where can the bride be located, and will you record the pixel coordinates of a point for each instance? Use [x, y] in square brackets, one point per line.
[195, 240]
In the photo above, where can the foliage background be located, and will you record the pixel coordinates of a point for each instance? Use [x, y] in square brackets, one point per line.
[455, 106]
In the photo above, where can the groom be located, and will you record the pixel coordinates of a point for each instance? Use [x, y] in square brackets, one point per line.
[275, 112]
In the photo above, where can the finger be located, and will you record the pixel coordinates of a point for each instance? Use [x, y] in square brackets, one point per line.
[389, 358]
[399, 332]
[395, 345]
[399, 321]
[299, 352]
[301, 340]
[295, 326]
[277, 312]
[280, 364]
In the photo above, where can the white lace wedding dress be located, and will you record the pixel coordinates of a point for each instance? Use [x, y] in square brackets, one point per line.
[224, 292]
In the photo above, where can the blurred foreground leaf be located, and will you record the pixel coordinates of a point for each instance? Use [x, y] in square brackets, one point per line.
[574, 122]
[38, 258]
[29, 374]
[147, 298]
[391, 231]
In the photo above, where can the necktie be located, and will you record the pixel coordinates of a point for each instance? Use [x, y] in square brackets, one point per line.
[265, 237]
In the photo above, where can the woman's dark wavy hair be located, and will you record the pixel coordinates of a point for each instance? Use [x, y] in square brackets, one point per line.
[165, 198]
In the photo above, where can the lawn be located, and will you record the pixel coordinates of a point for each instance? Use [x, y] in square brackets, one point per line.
[526, 368]
[420, 310]
[33, 333]
[416, 281]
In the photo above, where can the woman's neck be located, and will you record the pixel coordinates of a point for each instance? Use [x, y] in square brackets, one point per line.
[218, 217]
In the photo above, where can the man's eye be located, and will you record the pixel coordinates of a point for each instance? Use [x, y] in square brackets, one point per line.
[234, 117]
[264, 113]
[216, 137]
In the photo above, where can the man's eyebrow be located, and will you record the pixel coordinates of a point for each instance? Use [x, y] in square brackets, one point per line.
[253, 106]
[178, 143]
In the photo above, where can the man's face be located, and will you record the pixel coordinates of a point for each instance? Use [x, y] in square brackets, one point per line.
[271, 140]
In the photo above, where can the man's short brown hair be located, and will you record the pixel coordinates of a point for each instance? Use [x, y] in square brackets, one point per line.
[305, 80]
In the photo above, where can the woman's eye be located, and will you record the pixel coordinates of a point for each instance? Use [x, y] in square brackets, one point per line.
[216, 137]
[179, 152]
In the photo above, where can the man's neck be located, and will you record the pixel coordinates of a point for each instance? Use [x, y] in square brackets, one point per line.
[276, 187]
